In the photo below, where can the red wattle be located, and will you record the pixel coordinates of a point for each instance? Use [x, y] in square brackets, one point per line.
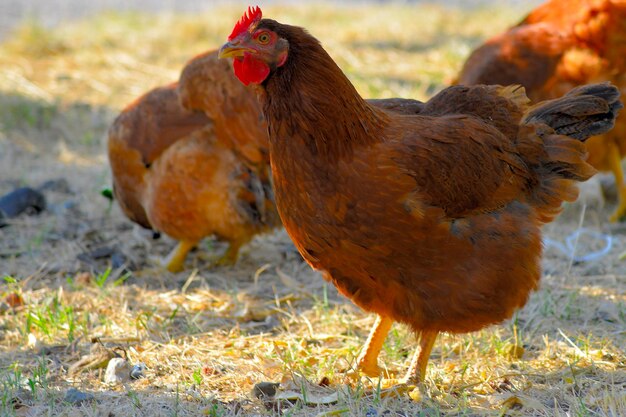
[250, 70]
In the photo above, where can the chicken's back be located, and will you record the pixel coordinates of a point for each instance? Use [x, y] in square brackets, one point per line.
[138, 136]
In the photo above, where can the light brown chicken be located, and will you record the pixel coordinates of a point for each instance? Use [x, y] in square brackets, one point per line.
[558, 46]
[178, 172]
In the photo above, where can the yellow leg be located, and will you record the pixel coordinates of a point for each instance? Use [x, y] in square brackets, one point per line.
[417, 370]
[615, 162]
[231, 255]
[175, 260]
[367, 362]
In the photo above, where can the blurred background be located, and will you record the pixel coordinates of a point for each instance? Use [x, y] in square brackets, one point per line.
[51, 13]
[387, 48]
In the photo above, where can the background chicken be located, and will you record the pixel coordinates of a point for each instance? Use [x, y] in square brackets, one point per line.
[558, 46]
[207, 84]
[177, 171]
[432, 219]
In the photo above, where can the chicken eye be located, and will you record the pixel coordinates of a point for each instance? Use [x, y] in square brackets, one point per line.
[263, 38]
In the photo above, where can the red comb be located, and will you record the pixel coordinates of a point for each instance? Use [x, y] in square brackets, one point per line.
[252, 15]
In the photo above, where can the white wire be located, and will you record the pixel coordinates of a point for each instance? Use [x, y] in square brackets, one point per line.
[569, 248]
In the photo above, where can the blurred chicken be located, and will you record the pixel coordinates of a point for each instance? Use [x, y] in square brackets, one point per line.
[177, 171]
[558, 46]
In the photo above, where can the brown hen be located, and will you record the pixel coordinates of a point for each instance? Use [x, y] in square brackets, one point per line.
[174, 170]
[430, 219]
[558, 46]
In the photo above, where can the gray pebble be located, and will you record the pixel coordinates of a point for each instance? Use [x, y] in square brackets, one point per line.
[138, 370]
[265, 389]
[76, 397]
[371, 412]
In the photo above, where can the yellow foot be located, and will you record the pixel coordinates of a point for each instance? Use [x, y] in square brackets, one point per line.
[367, 363]
[417, 370]
[225, 261]
[230, 257]
[615, 161]
[373, 371]
[175, 266]
[394, 388]
[370, 372]
[388, 386]
[176, 259]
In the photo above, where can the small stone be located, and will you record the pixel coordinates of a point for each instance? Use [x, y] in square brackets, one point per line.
[64, 208]
[22, 396]
[33, 342]
[118, 370]
[118, 259]
[265, 389]
[138, 370]
[21, 200]
[608, 311]
[76, 397]
[59, 185]
[371, 412]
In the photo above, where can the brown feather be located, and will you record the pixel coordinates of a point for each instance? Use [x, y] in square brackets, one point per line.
[432, 219]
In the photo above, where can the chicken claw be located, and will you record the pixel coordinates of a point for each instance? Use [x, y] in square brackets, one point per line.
[367, 363]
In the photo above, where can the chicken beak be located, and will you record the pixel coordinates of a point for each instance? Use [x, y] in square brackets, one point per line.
[232, 50]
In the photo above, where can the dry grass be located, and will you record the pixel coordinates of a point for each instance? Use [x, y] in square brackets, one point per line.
[207, 336]
[112, 58]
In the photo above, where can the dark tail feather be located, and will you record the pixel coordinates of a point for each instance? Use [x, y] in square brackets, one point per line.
[583, 112]
[561, 126]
